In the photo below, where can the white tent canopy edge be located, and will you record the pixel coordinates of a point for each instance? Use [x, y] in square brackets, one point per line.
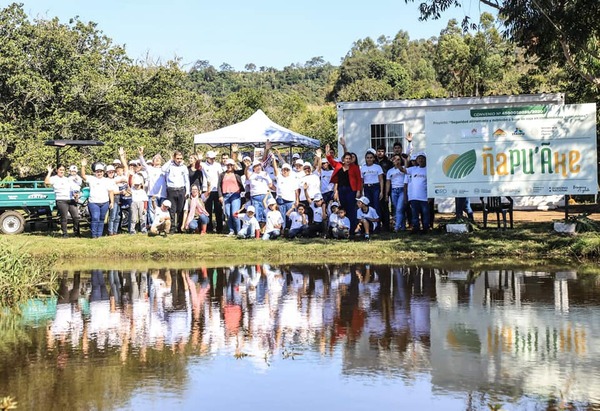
[253, 131]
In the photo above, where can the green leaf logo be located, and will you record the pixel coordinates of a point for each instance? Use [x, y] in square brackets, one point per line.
[459, 166]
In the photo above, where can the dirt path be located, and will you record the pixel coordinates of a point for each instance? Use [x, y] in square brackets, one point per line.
[526, 216]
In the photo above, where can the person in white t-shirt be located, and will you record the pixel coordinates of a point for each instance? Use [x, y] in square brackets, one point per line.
[139, 200]
[372, 175]
[415, 191]
[161, 224]
[340, 224]
[101, 197]
[65, 203]
[395, 191]
[298, 221]
[367, 218]
[250, 226]
[274, 223]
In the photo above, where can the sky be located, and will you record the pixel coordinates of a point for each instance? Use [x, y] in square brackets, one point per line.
[271, 33]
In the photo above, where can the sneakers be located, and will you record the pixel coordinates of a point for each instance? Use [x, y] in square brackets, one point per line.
[231, 233]
[367, 237]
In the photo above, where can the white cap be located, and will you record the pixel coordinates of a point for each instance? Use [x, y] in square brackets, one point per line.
[73, 168]
[167, 203]
[110, 168]
[256, 163]
[318, 197]
[211, 154]
[116, 161]
[307, 164]
[324, 160]
[372, 151]
[270, 201]
[230, 161]
[250, 209]
[286, 165]
[296, 155]
[421, 153]
[335, 204]
[299, 161]
[363, 200]
[246, 158]
[99, 167]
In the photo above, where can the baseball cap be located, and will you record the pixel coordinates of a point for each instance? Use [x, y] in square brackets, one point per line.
[324, 160]
[307, 164]
[250, 209]
[211, 154]
[256, 163]
[296, 155]
[335, 204]
[271, 201]
[167, 203]
[286, 165]
[318, 197]
[73, 168]
[99, 167]
[110, 168]
[372, 151]
[230, 161]
[363, 200]
[246, 158]
[299, 161]
[421, 153]
[116, 161]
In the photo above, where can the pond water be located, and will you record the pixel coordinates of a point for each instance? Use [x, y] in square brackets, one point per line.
[338, 337]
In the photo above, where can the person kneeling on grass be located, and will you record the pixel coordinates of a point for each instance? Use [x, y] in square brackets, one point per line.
[340, 224]
[367, 218]
[274, 221]
[250, 227]
[162, 219]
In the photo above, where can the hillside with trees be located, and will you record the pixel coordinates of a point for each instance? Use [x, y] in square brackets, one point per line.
[69, 80]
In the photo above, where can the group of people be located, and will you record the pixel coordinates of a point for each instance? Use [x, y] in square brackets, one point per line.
[266, 197]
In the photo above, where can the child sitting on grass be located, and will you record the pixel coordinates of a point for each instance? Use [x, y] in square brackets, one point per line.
[367, 218]
[274, 221]
[250, 227]
[340, 224]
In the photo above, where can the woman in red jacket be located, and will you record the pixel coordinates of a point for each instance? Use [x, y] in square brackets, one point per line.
[348, 184]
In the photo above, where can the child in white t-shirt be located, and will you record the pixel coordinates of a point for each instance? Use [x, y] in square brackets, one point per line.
[274, 221]
[250, 227]
[340, 224]
[298, 221]
[139, 201]
[367, 218]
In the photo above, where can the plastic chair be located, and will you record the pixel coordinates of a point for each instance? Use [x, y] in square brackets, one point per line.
[496, 205]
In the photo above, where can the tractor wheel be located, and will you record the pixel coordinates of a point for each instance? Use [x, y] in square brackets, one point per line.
[12, 222]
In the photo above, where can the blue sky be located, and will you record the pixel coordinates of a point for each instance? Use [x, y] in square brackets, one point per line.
[267, 33]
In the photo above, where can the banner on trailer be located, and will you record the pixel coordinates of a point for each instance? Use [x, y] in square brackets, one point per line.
[514, 151]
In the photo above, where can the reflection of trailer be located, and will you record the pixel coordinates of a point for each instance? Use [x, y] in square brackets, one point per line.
[24, 200]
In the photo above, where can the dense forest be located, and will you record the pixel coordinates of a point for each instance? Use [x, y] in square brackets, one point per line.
[68, 80]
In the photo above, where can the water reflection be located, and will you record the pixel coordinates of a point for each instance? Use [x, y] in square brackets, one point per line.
[472, 339]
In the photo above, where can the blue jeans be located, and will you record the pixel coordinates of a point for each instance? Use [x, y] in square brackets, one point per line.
[284, 206]
[246, 232]
[272, 235]
[98, 214]
[419, 207]
[398, 203]
[348, 201]
[114, 219]
[232, 203]
[203, 219]
[372, 193]
[257, 202]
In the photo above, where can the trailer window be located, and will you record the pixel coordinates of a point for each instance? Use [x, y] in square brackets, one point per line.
[386, 134]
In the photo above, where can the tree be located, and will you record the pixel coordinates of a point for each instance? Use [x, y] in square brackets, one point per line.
[556, 31]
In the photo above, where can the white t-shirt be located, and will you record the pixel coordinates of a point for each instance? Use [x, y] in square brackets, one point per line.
[314, 185]
[286, 187]
[317, 213]
[99, 188]
[274, 219]
[370, 174]
[249, 221]
[62, 187]
[212, 173]
[296, 220]
[326, 184]
[138, 194]
[416, 178]
[371, 214]
[336, 221]
[259, 183]
[396, 177]
[159, 215]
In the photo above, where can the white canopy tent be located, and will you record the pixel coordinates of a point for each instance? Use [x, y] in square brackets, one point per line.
[254, 131]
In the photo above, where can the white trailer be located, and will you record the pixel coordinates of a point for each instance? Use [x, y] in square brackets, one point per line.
[369, 124]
